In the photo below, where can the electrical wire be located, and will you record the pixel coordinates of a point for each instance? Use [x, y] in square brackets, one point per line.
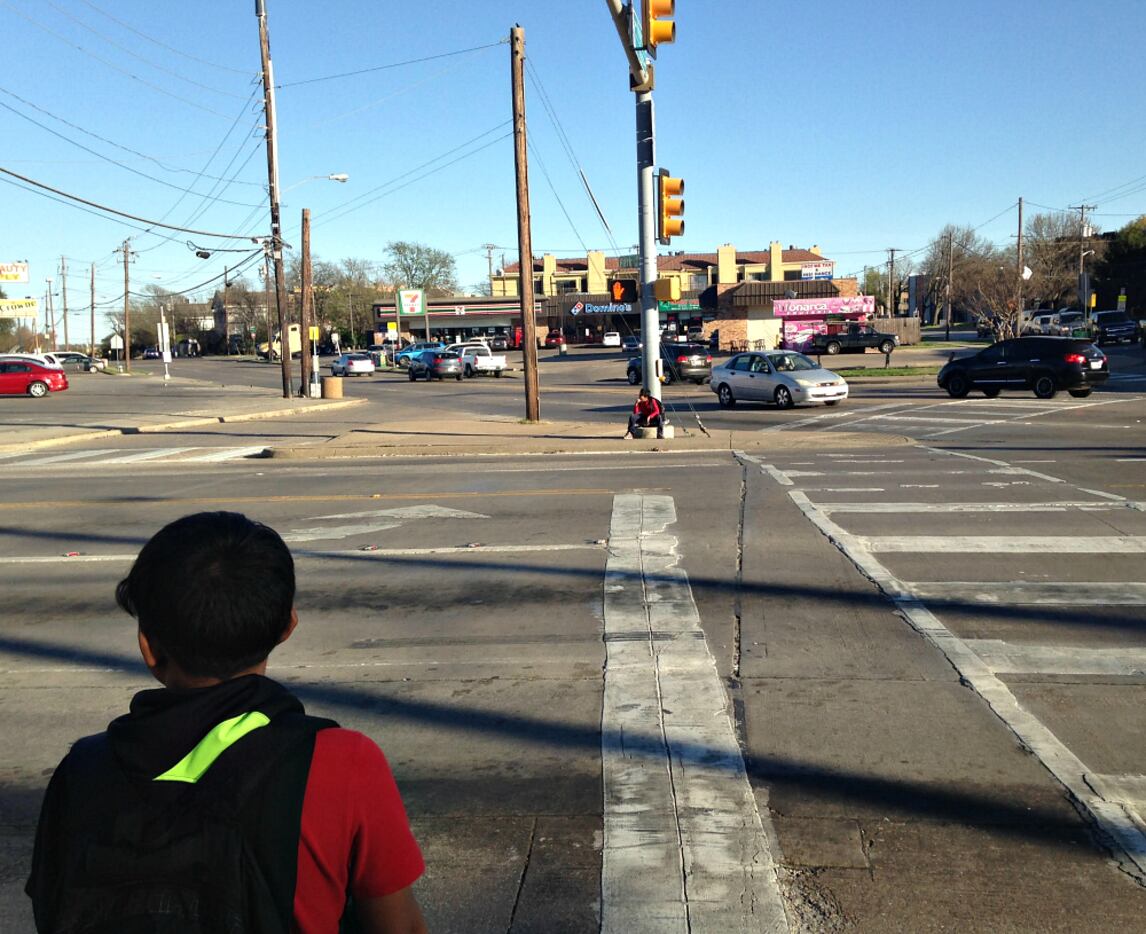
[412, 61]
[103, 207]
[79, 22]
[112, 65]
[552, 188]
[104, 139]
[162, 45]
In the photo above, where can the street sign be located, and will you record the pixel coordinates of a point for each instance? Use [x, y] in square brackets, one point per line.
[116, 342]
[19, 307]
[637, 33]
[312, 331]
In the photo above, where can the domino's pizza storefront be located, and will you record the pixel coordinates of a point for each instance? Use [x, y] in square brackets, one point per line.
[585, 319]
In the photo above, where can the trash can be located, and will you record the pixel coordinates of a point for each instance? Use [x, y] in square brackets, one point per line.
[562, 349]
[332, 387]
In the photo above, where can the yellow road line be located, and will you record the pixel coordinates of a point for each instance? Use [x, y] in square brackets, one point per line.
[327, 498]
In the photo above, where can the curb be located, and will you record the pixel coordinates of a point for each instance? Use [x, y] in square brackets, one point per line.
[95, 434]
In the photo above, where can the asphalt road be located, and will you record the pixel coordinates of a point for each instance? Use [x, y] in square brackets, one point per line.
[931, 650]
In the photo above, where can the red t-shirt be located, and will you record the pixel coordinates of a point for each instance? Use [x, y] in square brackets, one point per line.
[355, 837]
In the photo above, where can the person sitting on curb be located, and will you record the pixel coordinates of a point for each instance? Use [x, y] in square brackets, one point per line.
[216, 803]
[647, 413]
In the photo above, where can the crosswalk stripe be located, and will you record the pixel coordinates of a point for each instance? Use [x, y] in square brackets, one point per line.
[1031, 593]
[1005, 544]
[893, 508]
[1008, 658]
[61, 458]
[226, 454]
[149, 455]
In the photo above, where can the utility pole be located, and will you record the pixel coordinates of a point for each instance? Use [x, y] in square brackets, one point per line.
[489, 248]
[273, 188]
[226, 315]
[950, 275]
[1083, 285]
[51, 316]
[524, 233]
[127, 254]
[1019, 267]
[305, 305]
[92, 308]
[892, 291]
[64, 297]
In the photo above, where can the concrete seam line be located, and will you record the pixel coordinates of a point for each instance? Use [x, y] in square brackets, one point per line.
[684, 847]
[1127, 841]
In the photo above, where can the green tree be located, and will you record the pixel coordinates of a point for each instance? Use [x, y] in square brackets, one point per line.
[417, 266]
[1124, 267]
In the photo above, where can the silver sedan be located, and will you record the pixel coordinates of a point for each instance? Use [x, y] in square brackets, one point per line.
[782, 377]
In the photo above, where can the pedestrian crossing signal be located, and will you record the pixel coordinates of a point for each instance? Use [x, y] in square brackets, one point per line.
[624, 290]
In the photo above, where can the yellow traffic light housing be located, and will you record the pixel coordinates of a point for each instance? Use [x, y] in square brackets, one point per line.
[667, 290]
[670, 207]
[657, 28]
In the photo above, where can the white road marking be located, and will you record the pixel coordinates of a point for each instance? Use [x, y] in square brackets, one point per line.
[1131, 460]
[1009, 658]
[775, 473]
[142, 456]
[1006, 544]
[425, 511]
[845, 489]
[684, 843]
[1033, 593]
[321, 533]
[803, 473]
[60, 458]
[1124, 828]
[226, 454]
[970, 507]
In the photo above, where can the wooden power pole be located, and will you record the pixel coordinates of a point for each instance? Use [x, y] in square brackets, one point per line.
[1019, 269]
[92, 309]
[273, 188]
[524, 235]
[126, 250]
[64, 297]
[305, 305]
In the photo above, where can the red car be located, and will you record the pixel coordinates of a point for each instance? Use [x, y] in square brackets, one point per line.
[554, 339]
[18, 377]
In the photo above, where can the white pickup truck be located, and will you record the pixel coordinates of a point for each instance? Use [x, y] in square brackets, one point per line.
[478, 359]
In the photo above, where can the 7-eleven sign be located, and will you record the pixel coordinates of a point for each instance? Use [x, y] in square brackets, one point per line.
[411, 302]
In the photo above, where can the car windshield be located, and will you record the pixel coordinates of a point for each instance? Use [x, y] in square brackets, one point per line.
[357, 356]
[785, 362]
[1110, 317]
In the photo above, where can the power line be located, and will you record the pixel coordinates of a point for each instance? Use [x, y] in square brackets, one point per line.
[104, 207]
[163, 45]
[412, 61]
[560, 203]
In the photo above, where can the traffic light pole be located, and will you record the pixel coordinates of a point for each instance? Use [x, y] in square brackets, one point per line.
[646, 207]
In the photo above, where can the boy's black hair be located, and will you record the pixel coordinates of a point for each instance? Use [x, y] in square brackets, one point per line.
[213, 591]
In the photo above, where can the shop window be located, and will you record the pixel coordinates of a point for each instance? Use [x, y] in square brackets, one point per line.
[791, 275]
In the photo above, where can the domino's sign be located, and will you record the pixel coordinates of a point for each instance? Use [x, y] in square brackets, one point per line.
[612, 308]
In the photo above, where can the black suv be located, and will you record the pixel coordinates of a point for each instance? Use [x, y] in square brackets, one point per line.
[1043, 364]
[1112, 326]
[678, 362]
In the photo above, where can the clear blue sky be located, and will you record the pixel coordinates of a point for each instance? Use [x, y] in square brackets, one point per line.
[854, 126]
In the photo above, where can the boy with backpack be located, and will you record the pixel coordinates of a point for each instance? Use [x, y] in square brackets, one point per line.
[216, 804]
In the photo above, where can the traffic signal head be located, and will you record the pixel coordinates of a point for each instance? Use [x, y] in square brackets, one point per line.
[670, 207]
[657, 28]
[624, 290]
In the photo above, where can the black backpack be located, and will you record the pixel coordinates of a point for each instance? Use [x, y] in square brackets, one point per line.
[218, 855]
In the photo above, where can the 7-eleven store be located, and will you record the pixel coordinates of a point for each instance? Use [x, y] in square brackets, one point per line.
[454, 319]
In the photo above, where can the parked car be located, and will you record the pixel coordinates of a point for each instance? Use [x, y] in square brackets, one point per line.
[611, 339]
[854, 338]
[39, 359]
[678, 362]
[1113, 326]
[353, 364]
[631, 344]
[1067, 322]
[73, 358]
[479, 360]
[404, 355]
[554, 339]
[23, 377]
[499, 342]
[434, 364]
[1040, 324]
[783, 377]
[1042, 364]
[153, 353]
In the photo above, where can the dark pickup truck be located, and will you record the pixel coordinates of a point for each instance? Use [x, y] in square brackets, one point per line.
[1113, 326]
[857, 337]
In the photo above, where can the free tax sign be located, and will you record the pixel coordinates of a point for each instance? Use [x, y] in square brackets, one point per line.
[411, 302]
[13, 272]
[19, 307]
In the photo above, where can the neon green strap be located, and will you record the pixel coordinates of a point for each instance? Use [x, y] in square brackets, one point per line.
[193, 765]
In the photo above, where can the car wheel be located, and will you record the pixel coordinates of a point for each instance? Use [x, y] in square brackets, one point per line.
[634, 377]
[725, 397]
[957, 386]
[1045, 387]
[1081, 393]
[992, 392]
[458, 377]
[886, 347]
[783, 397]
[37, 390]
[833, 348]
[413, 376]
[497, 373]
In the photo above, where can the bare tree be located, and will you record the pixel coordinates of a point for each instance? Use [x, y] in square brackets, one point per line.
[1051, 250]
